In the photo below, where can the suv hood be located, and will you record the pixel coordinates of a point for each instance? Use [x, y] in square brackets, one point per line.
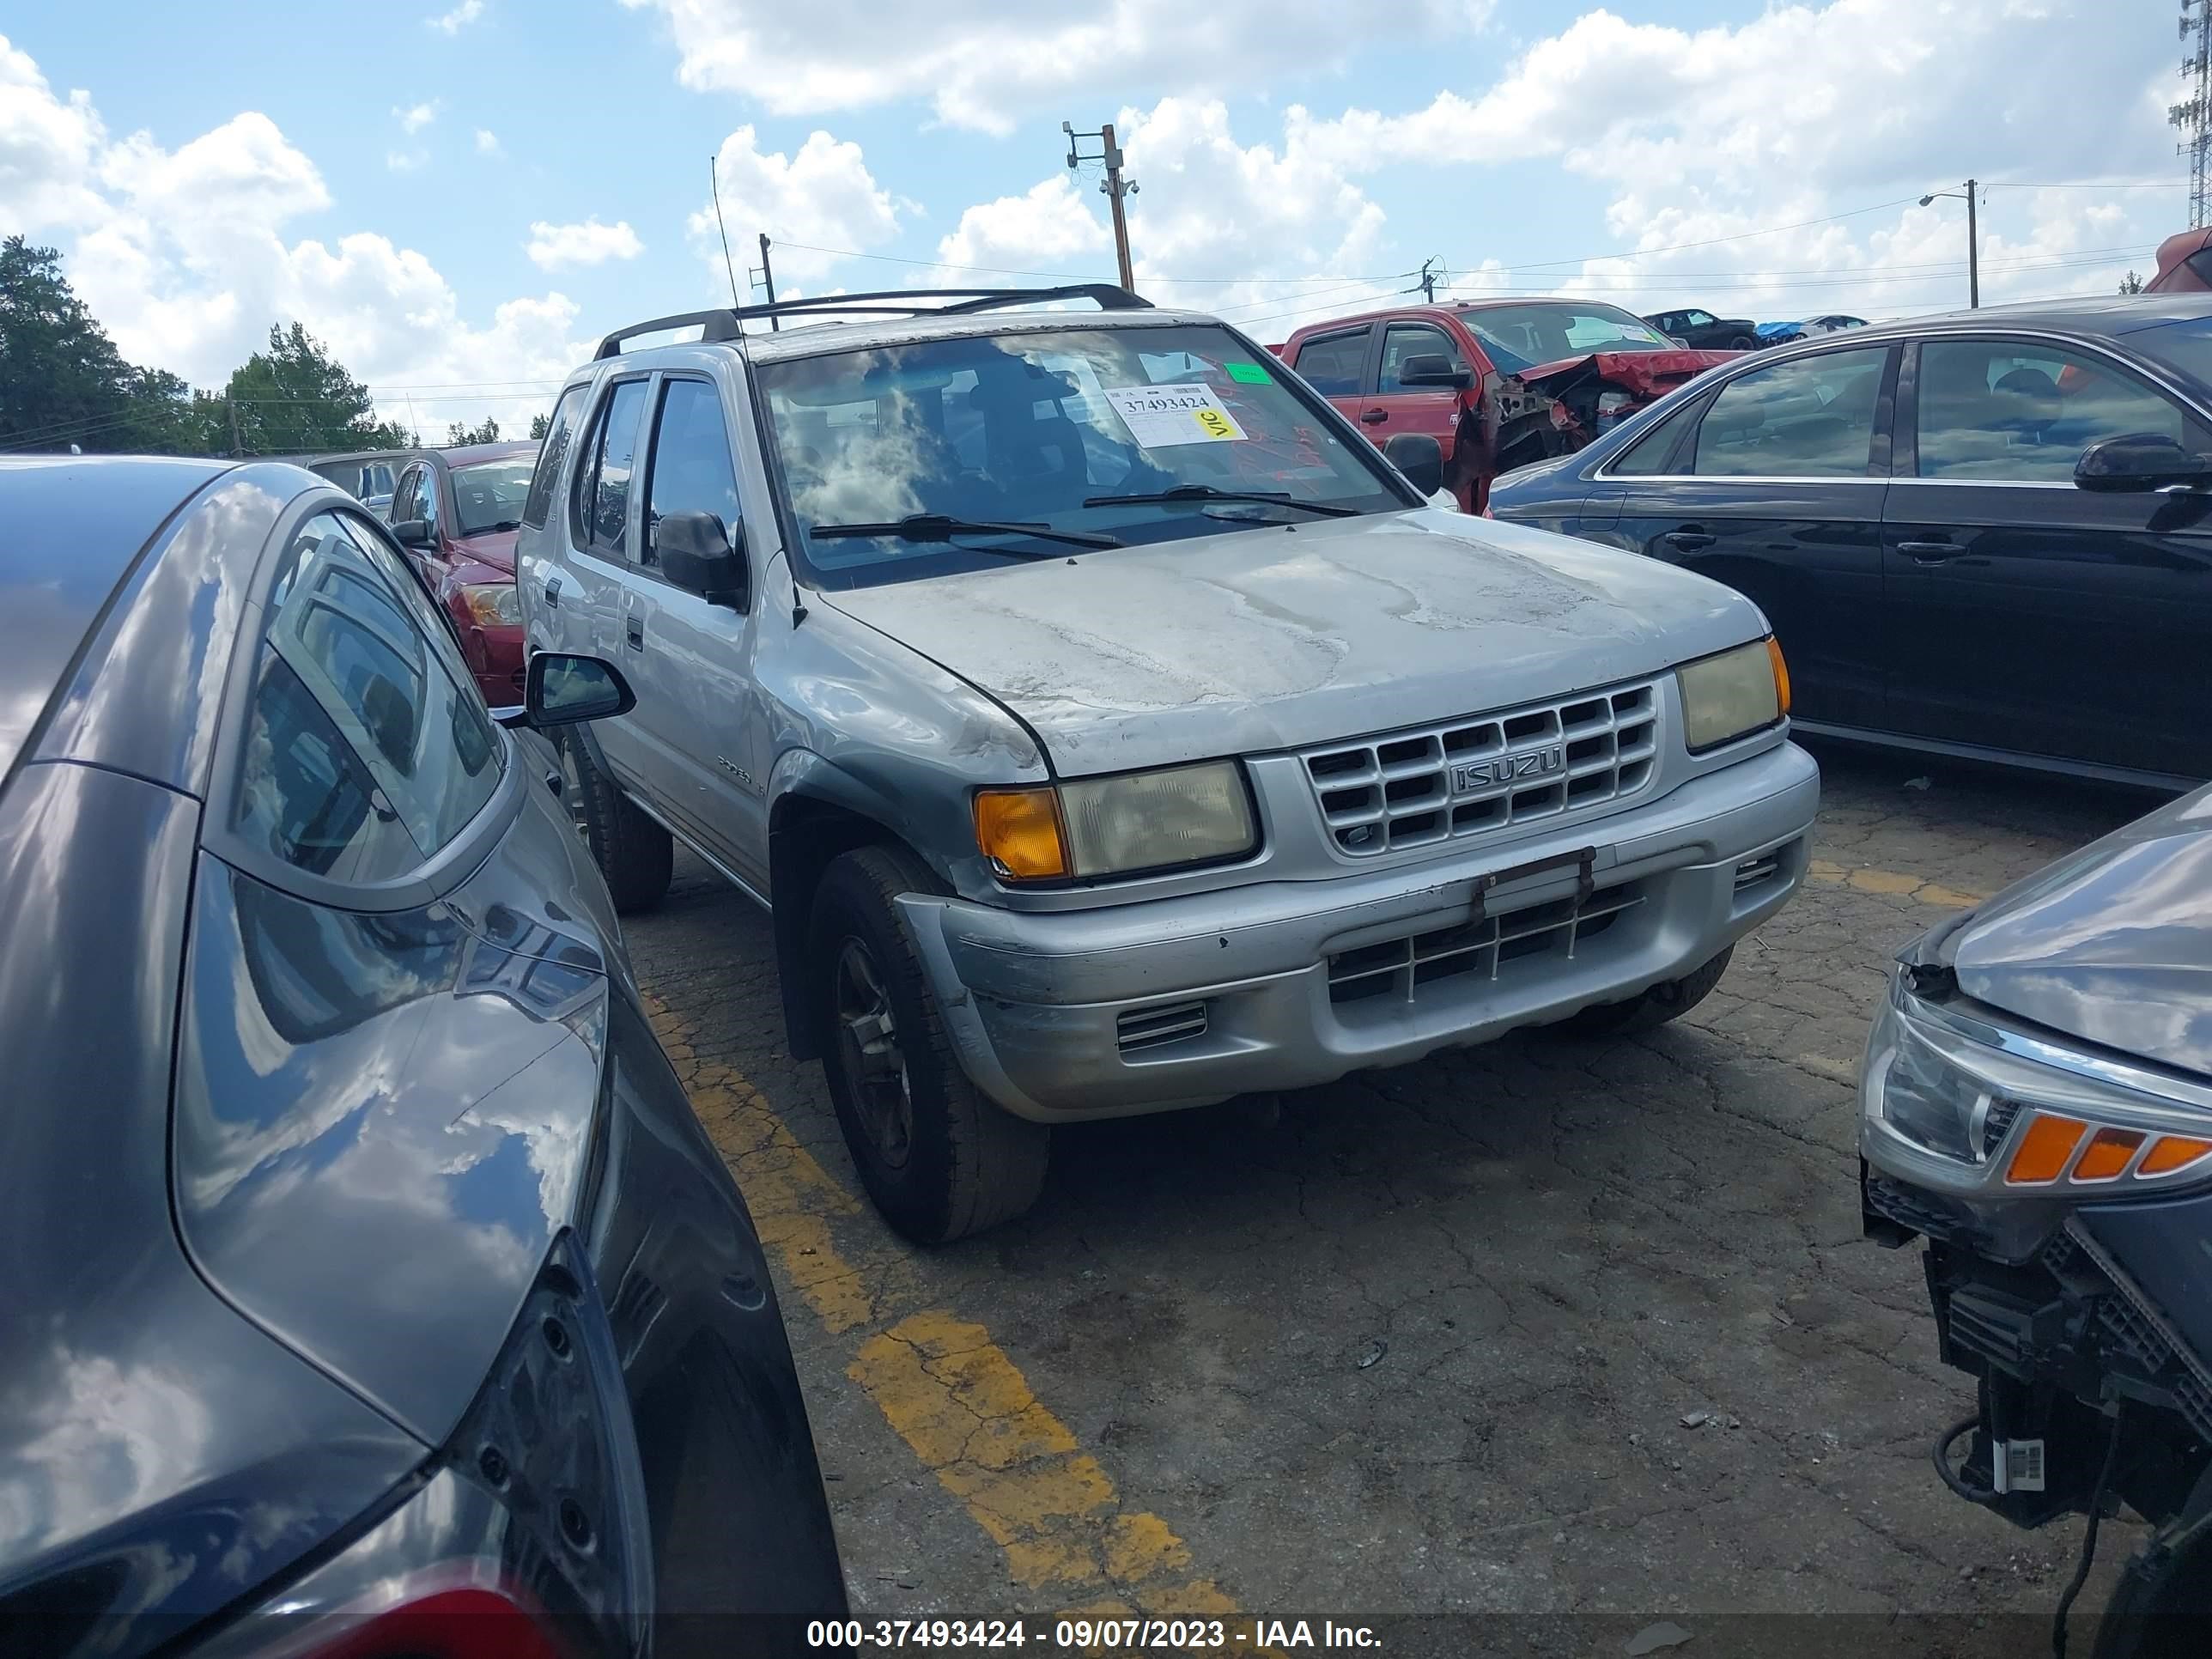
[1268, 639]
[2113, 944]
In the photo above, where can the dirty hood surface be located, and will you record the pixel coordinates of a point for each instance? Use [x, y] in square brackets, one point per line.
[2111, 943]
[1275, 638]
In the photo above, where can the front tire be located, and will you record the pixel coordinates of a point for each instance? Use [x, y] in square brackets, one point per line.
[938, 1160]
[1653, 1008]
[636, 855]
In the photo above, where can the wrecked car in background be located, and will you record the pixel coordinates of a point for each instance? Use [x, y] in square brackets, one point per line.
[1498, 384]
[1693, 326]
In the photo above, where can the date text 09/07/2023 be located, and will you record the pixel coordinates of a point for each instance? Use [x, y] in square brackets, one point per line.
[1090, 1635]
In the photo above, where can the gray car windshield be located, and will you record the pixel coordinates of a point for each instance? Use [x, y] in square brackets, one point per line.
[1517, 337]
[958, 443]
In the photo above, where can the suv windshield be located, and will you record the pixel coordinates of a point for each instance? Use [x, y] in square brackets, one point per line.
[1517, 337]
[489, 495]
[1037, 428]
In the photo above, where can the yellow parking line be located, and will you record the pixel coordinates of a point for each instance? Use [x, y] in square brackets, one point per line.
[947, 1390]
[1891, 884]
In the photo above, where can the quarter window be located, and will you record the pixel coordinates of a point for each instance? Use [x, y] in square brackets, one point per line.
[1402, 341]
[691, 469]
[602, 497]
[405, 502]
[363, 756]
[2011, 409]
[1650, 454]
[1810, 418]
[1333, 364]
[550, 455]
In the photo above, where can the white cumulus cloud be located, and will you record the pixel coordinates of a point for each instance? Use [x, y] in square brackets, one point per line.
[554, 247]
[820, 197]
[460, 17]
[415, 117]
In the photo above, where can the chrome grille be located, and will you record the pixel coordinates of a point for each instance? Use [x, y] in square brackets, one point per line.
[1489, 945]
[1155, 1028]
[1545, 760]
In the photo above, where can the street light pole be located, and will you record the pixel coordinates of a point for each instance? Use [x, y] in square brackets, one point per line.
[1973, 241]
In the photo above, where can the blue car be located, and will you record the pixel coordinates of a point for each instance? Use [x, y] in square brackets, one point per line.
[1984, 535]
[1806, 328]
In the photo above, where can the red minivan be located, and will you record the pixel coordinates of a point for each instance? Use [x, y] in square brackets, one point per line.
[456, 511]
[1497, 383]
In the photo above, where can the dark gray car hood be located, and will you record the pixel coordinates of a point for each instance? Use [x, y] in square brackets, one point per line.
[1255, 641]
[2113, 944]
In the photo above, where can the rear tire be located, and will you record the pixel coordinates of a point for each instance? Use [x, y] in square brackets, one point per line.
[1649, 1011]
[636, 855]
[940, 1160]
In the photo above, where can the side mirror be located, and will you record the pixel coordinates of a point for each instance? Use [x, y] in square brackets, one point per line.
[561, 689]
[2141, 461]
[411, 533]
[700, 557]
[1431, 369]
[1419, 457]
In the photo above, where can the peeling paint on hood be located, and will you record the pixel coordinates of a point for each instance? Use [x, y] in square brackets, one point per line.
[2112, 944]
[1266, 639]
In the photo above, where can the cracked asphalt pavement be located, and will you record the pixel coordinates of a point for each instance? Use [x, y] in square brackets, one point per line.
[1550, 1255]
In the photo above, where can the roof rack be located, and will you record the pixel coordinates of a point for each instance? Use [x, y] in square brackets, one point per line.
[727, 323]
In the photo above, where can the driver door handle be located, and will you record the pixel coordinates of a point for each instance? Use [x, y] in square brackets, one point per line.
[634, 630]
[1374, 416]
[1930, 552]
[1688, 541]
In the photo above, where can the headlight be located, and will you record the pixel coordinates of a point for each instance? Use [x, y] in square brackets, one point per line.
[493, 605]
[1737, 691]
[1113, 826]
[2011, 1113]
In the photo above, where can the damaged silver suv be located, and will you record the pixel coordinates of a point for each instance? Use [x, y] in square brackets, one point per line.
[1110, 728]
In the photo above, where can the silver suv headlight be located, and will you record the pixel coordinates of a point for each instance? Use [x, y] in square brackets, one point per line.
[1733, 693]
[1117, 826]
[1952, 1100]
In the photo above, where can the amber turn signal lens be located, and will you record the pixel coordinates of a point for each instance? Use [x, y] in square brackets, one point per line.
[1019, 829]
[2174, 1152]
[1781, 672]
[2041, 1159]
[2108, 1155]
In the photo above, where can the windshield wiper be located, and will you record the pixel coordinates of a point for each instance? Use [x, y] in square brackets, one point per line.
[488, 529]
[1205, 492]
[938, 527]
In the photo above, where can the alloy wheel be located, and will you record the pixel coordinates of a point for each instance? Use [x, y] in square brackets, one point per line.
[874, 1063]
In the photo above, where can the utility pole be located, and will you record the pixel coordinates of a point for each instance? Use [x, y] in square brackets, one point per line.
[767, 276]
[1973, 241]
[1113, 186]
[2193, 114]
[237, 443]
[1428, 281]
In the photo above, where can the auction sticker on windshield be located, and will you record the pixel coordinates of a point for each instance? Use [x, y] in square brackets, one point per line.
[1160, 416]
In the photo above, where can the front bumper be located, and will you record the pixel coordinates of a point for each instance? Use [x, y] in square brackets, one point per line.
[1177, 1002]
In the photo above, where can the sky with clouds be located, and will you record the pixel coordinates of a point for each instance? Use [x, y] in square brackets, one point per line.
[461, 196]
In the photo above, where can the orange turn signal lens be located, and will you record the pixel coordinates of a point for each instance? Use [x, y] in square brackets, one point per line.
[2108, 1155]
[2174, 1152]
[1781, 672]
[2044, 1151]
[1018, 830]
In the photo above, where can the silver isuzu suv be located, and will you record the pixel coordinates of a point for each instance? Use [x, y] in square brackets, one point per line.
[1110, 728]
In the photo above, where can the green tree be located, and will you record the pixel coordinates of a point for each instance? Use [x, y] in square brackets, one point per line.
[2131, 283]
[62, 380]
[296, 398]
[460, 432]
[540, 424]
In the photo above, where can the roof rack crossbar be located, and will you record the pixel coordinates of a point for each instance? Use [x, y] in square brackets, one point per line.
[727, 322]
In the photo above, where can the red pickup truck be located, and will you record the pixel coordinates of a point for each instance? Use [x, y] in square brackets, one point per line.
[1497, 383]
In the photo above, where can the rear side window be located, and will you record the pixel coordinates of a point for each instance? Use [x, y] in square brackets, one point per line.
[363, 755]
[692, 468]
[2022, 410]
[601, 501]
[1402, 342]
[1809, 418]
[551, 454]
[1333, 364]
